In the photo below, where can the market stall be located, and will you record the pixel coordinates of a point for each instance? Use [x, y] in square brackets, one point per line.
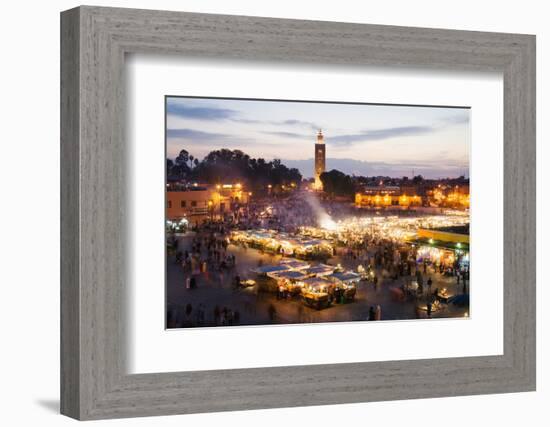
[283, 243]
[289, 282]
[315, 292]
[345, 285]
[443, 295]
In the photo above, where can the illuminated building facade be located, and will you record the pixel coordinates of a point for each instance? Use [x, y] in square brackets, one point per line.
[387, 196]
[452, 196]
[197, 201]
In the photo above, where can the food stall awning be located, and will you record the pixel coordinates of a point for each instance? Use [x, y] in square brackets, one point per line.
[346, 277]
[261, 235]
[267, 269]
[295, 264]
[320, 270]
[312, 242]
[289, 275]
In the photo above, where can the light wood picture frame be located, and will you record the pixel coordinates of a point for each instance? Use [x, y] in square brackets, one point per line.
[94, 42]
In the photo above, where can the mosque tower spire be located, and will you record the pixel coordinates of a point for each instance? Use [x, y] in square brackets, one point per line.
[320, 160]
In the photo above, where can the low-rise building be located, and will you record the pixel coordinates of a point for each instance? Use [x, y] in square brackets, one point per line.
[387, 196]
[200, 201]
[447, 246]
[451, 196]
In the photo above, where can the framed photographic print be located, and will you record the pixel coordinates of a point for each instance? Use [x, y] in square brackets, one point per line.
[334, 231]
[316, 212]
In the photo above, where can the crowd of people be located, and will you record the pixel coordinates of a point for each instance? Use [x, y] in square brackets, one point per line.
[383, 260]
[187, 316]
[208, 251]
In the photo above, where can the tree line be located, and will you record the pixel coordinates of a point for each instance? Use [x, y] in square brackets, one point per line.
[230, 166]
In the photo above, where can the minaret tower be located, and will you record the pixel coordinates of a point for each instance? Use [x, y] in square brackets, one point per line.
[320, 156]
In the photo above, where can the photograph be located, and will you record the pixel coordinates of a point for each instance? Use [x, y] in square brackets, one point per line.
[284, 212]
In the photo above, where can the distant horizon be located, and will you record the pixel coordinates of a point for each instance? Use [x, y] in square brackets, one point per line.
[360, 139]
[305, 167]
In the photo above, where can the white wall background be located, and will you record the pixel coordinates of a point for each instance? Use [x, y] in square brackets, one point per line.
[29, 177]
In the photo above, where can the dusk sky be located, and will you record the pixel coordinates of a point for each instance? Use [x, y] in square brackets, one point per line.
[361, 139]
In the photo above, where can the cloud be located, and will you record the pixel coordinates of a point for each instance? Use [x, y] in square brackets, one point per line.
[194, 134]
[303, 123]
[293, 135]
[380, 134]
[288, 122]
[199, 113]
[364, 136]
[458, 119]
[248, 121]
[213, 113]
[200, 143]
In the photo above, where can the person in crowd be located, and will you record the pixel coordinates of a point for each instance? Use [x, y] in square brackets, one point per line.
[378, 312]
[272, 312]
[217, 315]
[372, 313]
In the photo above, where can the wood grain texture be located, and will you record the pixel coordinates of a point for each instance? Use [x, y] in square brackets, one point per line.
[94, 382]
[70, 297]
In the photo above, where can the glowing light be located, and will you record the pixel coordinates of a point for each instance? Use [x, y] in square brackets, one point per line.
[395, 228]
[328, 224]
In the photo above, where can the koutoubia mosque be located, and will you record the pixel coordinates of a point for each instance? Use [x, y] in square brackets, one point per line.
[320, 157]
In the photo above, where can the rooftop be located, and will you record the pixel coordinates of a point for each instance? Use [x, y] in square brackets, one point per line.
[421, 241]
[456, 229]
